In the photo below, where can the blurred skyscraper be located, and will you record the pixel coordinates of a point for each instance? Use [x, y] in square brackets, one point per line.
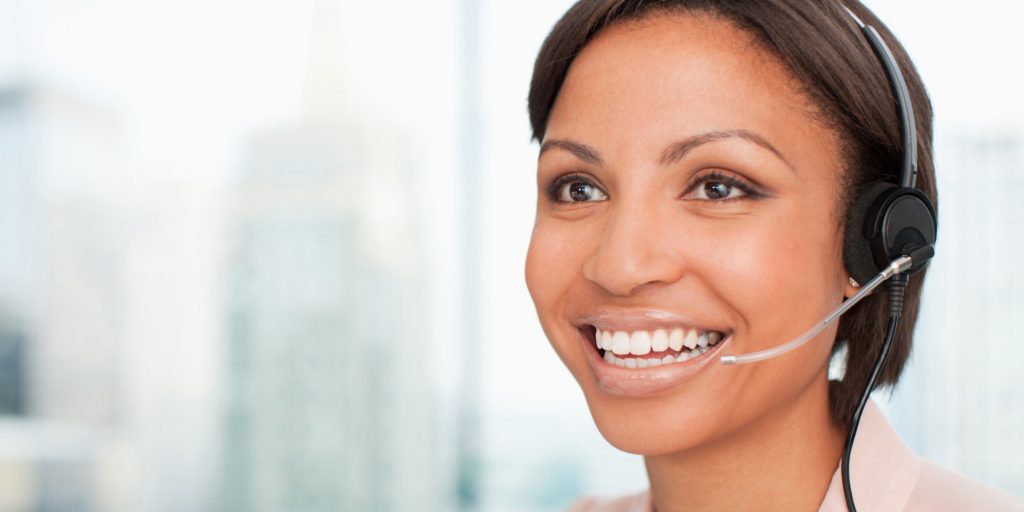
[961, 403]
[18, 214]
[60, 299]
[94, 339]
[330, 402]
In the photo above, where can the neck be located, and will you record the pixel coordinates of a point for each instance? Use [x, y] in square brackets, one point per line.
[784, 461]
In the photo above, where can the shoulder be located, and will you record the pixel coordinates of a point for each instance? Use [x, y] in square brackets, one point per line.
[939, 488]
[638, 502]
[888, 475]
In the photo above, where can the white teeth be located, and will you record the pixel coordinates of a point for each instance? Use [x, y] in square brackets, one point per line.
[620, 343]
[690, 343]
[659, 342]
[640, 343]
[691, 339]
[675, 340]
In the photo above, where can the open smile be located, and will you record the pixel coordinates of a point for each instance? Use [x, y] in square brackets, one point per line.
[641, 349]
[642, 362]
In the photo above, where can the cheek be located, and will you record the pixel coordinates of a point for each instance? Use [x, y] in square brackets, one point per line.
[551, 260]
[748, 263]
[777, 273]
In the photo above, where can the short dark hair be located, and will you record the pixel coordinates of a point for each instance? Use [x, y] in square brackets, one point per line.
[822, 48]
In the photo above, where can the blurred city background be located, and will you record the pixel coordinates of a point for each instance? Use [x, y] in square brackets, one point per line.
[267, 256]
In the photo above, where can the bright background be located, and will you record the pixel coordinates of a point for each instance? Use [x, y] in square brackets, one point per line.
[267, 255]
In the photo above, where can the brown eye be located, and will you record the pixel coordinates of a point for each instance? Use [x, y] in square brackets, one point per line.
[578, 191]
[720, 187]
[717, 190]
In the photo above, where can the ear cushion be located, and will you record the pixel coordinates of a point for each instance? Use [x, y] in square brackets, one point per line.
[857, 254]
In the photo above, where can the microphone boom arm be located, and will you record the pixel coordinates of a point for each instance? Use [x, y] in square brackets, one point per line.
[898, 266]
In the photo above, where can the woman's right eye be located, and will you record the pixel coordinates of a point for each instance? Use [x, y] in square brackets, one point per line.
[575, 189]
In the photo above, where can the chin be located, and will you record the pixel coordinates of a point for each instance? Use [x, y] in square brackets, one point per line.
[652, 441]
[659, 425]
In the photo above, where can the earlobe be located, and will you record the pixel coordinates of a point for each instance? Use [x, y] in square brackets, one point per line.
[852, 287]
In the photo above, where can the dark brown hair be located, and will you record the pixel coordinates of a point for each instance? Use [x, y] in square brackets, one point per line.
[822, 48]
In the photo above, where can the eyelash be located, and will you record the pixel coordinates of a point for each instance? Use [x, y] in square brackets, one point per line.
[715, 176]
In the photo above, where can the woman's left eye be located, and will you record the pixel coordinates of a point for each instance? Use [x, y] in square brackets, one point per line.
[576, 190]
[718, 187]
[717, 190]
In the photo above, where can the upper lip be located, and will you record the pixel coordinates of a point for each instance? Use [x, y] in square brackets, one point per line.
[610, 319]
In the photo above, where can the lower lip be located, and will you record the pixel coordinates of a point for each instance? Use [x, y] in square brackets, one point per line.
[638, 382]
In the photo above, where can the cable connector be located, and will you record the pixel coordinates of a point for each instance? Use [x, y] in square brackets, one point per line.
[897, 288]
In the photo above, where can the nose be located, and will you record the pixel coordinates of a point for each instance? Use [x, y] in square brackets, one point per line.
[637, 249]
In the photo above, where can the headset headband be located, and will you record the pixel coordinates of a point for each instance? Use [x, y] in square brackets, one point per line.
[908, 171]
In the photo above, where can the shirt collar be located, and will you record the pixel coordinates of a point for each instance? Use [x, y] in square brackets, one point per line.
[883, 469]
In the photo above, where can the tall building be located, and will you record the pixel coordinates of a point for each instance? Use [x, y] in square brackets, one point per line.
[330, 404]
[105, 339]
[962, 404]
[60, 303]
[18, 213]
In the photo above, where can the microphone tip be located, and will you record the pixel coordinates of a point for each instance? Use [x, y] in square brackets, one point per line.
[728, 360]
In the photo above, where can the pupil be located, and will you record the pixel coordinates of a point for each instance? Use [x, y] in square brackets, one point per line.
[578, 192]
[716, 190]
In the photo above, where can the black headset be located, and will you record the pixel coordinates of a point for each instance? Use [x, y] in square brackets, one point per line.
[889, 220]
[886, 222]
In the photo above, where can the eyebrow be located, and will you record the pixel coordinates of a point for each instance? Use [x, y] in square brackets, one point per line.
[678, 150]
[582, 151]
[675, 152]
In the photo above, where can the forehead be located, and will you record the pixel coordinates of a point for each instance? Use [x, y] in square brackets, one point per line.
[642, 84]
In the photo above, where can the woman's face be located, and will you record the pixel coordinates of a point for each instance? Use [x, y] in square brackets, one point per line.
[686, 192]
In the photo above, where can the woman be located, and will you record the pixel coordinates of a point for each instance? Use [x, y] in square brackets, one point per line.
[697, 167]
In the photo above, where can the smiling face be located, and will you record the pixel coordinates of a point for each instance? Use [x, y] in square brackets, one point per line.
[687, 209]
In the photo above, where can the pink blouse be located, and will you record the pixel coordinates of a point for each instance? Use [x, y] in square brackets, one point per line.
[887, 476]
